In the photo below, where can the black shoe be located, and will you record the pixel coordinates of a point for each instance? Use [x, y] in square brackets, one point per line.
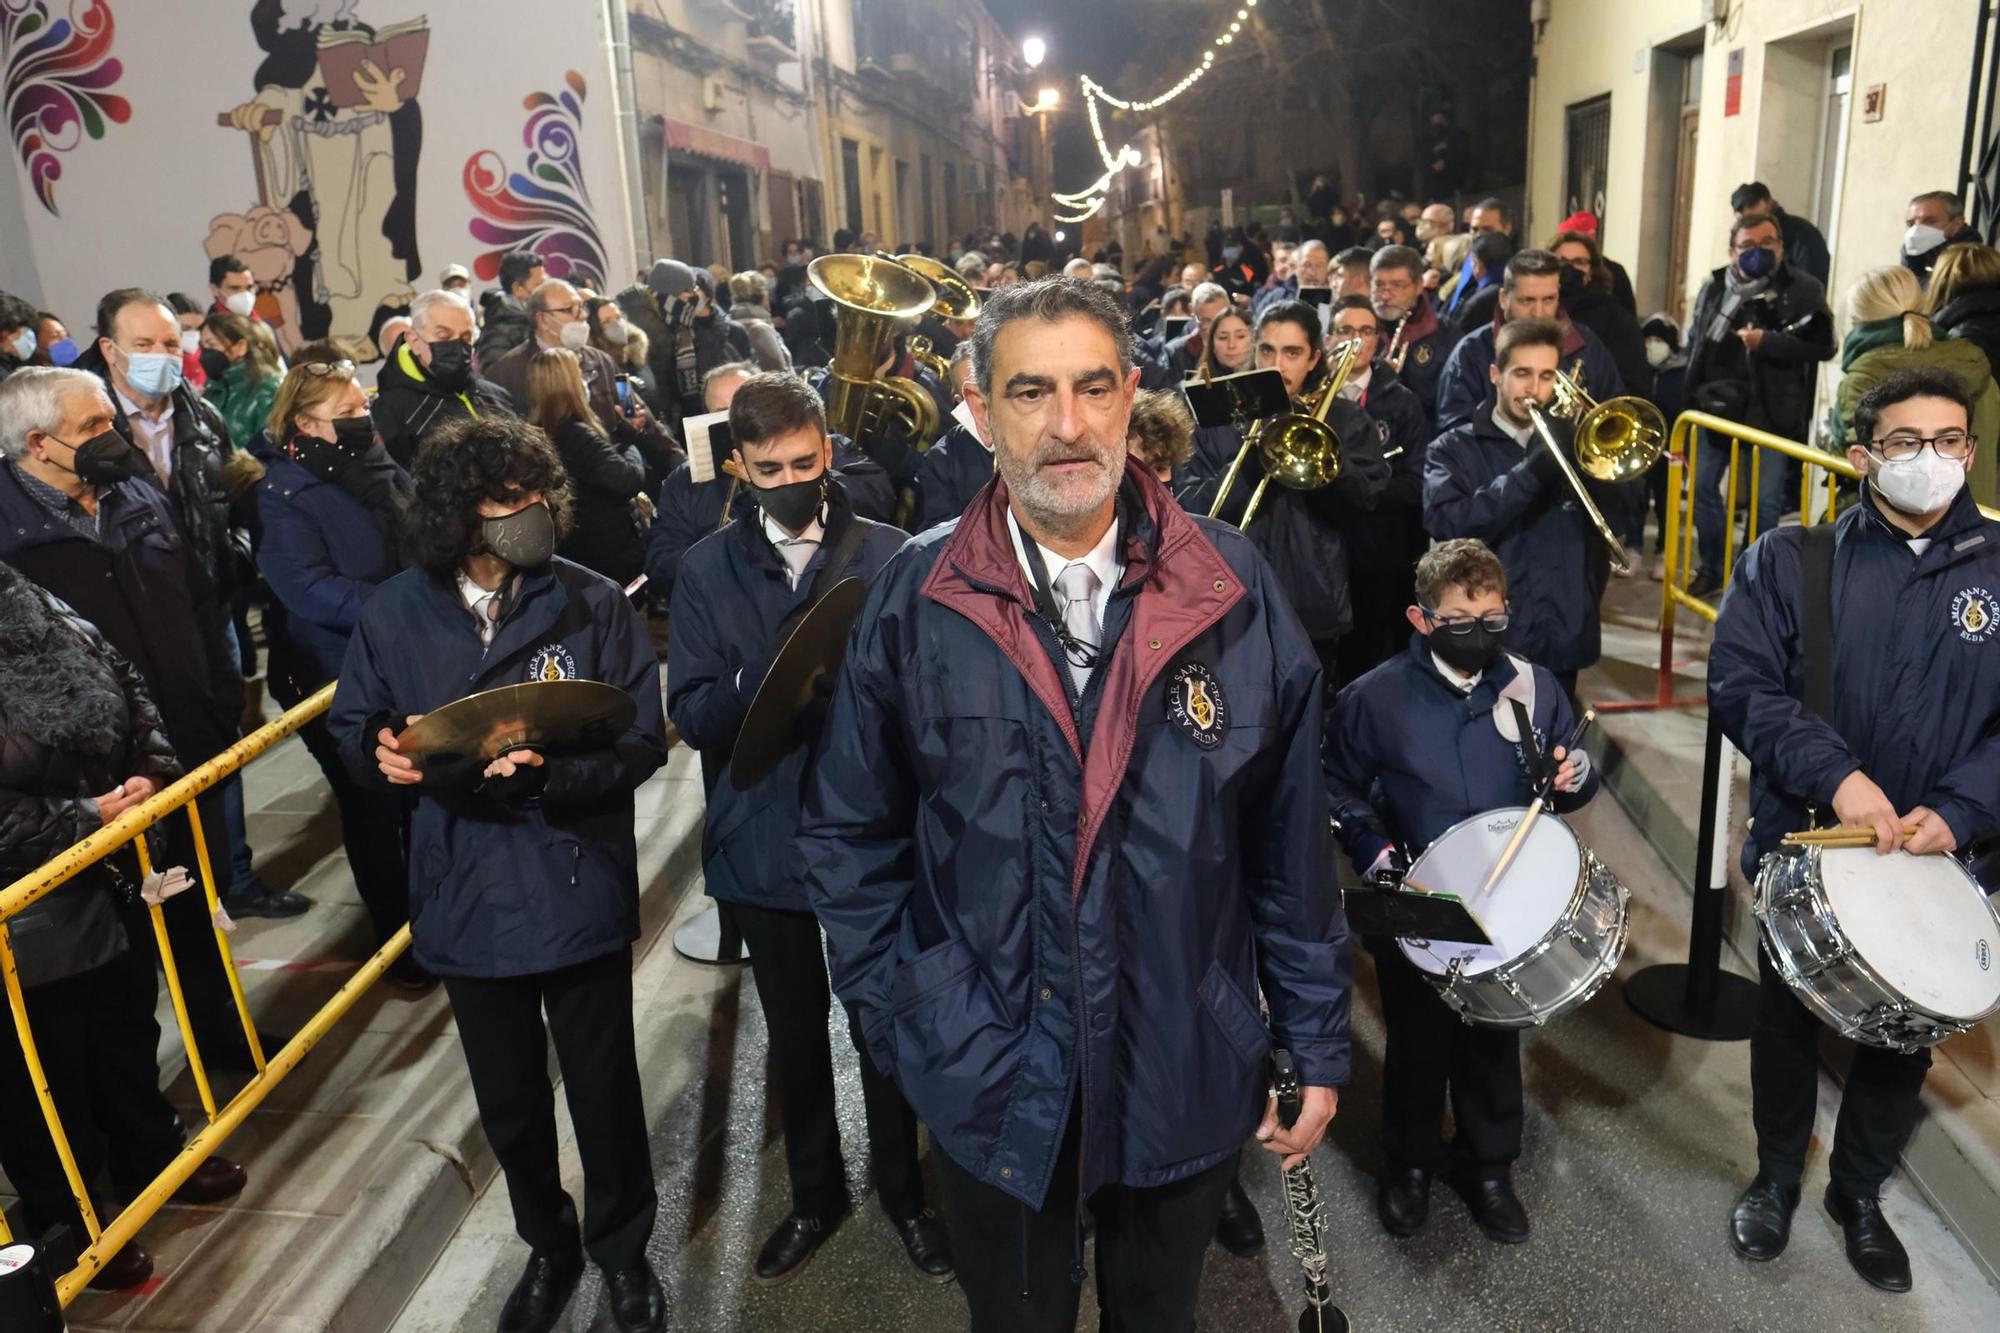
[1872, 1246]
[1761, 1226]
[539, 1298]
[792, 1246]
[637, 1303]
[1239, 1230]
[928, 1244]
[260, 899]
[233, 1057]
[1495, 1207]
[1704, 584]
[1403, 1200]
[408, 975]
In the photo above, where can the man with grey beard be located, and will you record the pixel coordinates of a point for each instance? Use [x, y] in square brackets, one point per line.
[1093, 828]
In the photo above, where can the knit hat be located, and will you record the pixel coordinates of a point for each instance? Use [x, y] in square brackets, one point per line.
[668, 278]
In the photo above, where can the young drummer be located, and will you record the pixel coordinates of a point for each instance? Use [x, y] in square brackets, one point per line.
[1414, 747]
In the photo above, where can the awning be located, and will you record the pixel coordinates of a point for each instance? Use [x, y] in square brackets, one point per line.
[683, 137]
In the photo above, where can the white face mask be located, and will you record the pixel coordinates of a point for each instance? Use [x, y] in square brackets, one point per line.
[191, 341]
[1657, 352]
[576, 334]
[1920, 239]
[1920, 485]
[617, 332]
[241, 304]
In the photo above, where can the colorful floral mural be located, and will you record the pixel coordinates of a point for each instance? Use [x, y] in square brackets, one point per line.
[58, 72]
[544, 207]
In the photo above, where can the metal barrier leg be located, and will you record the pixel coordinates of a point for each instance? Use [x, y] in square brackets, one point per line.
[1698, 998]
[17, 1005]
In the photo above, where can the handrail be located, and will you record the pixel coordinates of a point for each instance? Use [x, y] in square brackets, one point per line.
[108, 1239]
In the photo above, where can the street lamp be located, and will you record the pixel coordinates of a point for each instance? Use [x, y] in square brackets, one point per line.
[1033, 50]
[1048, 99]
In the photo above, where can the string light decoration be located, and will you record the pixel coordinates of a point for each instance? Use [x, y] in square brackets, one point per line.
[1091, 199]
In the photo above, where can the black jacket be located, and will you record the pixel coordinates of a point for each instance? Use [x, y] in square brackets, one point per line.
[718, 339]
[1390, 537]
[1805, 246]
[75, 722]
[1772, 390]
[409, 405]
[1615, 327]
[504, 326]
[949, 474]
[196, 489]
[1974, 317]
[604, 532]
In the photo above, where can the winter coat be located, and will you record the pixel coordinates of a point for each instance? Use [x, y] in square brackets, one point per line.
[1465, 383]
[1967, 364]
[605, 478]
[75, 722]
[1772, 389]
[730, 600]
[600, 382]
[323, 555]
[1428, 340]
[767, 349]
[1617, 328]
[504, 327]
[244, 403]
[409, 405]
[1037, 901]
[1805, 247]
[1916, 674]
[949, 474]
[1388, 539]
[498, 889]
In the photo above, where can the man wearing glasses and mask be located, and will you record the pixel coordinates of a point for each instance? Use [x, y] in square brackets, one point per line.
[1436, 731]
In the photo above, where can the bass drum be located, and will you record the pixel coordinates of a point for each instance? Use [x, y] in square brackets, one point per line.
[1897, 951]
[1558, 921]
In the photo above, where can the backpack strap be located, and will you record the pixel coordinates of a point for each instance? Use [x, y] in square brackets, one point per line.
[1816, 587]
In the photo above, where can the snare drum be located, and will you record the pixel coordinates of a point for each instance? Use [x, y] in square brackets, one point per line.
[1557, 919]
[1897, 951]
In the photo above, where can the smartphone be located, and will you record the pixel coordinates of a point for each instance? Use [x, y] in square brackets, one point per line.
[1316, 296]
[1173, 326]
[624, 385]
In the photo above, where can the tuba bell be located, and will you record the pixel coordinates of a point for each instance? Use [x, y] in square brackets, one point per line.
[1298, 449]
[876, 295]
[1616, 440]
[956, 301]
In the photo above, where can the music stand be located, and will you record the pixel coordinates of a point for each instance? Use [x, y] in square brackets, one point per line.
[1237, 400]
[1412, 914]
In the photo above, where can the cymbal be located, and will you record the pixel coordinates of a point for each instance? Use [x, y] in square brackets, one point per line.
[816, 647]
[548, 715]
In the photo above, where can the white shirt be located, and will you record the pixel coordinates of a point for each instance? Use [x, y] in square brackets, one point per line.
[1102, 559]
[797, 552]
[1521, 435]
[1918, 545]
[155, 435]
[481, 603]
[1463, 684]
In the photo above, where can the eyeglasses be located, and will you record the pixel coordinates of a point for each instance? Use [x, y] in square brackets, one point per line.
[563, 309]
[321, 369]
[1493, 622]
[1382, 286]
[1354, 332]
[1902, 445]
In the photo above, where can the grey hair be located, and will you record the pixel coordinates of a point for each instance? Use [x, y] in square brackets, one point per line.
[722, 372]
[538, 300]
[420, 309]
[1315, 244]
[961, 355]
[1206, 292]
[1398, 256]
[31, 399]
[1047, 300]
[971, 264]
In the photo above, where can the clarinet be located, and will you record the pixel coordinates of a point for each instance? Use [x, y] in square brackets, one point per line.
[1304, 1212]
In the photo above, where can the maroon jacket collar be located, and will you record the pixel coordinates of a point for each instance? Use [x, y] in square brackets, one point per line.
[1183, 587]
[1572, 338]
[1422, 322]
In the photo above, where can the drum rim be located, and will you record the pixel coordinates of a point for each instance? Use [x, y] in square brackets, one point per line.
[1509, 971]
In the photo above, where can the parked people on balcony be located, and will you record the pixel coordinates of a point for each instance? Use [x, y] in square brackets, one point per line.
[1936, 219]
[506, 324]
[241, 359]
[1888, 332]
[607, 478]
[1805, 245]
[429, 383]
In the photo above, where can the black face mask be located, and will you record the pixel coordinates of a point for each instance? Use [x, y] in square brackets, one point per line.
[105, 459]
[213, 363]
[353, 435]
[795, 504]
[1471, 652]
[525, 539]
[451, 364]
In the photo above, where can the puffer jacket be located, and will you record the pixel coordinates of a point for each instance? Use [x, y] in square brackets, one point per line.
[1966, 363]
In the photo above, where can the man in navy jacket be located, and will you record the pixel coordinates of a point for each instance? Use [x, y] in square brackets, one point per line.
[737, 592]
[1914, 740]
[1493, 478]
[1092, 829]
[956, 467]
[1423, 730]
[1531, 289]
[524, 885]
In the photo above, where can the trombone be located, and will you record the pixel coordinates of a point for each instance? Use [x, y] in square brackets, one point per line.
[1297, 448]
[1616, 440]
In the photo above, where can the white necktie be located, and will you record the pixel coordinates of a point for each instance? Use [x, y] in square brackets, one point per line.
[1077, 584]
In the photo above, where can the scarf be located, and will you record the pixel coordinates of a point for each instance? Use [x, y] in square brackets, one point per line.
[1868, 335]
[1736, 290]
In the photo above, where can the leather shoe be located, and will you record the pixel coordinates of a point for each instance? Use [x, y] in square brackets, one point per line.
[1239, 1230]
[1872, 1246]
[539, 1298]
[928, 1244]
[1761, 1225]
[1495, 1207]
[637, 1303]
[214, 1180]
[260, 899]
[130, 1267]
[793, 1245]
[1403, 1200]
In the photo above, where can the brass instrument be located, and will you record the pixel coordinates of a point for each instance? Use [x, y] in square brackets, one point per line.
[956, 301]
[1398, 349]
[1297, 448]
[875, 295]
[1616, 440]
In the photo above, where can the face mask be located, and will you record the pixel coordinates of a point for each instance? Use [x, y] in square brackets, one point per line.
[23, 345]
[1657, 352]
[241, 304]
[576, 334]
[1920, 485]
[1921, 239]
[525, 539]
[191, 342]
[354, 435]
[155, 374]
[1758, 263]
[451, 364]
[1231, 253]
[63, 352]
[617, 333]
[213, 363]
[1471, 652]
[105, 459]
[794, 505]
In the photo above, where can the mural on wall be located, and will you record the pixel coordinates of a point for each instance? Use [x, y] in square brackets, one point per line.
[335, 133]
[545, 207]
[58, 70]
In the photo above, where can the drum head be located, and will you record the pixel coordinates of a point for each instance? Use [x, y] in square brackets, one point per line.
[1922, 923]
[1520, 909]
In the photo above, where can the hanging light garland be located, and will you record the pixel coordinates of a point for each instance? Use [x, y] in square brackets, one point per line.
[1091, 199]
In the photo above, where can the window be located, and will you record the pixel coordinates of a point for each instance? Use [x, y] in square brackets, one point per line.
[850, 174]
[1588, 126]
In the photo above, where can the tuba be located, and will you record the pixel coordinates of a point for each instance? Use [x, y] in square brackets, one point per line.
[1297, 448]
[875, 295]
[1616, 440]
[955, 301]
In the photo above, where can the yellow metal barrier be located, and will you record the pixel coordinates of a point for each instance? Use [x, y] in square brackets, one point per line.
[126, 829]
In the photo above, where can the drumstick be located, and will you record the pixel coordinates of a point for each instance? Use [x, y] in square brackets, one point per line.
[1840, 837]
[1537, 803]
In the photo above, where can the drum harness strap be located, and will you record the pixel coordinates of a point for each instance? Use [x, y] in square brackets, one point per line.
[1816, 628]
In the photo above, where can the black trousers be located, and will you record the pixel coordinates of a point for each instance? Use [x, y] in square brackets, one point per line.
[1021, 1270]
[1878, 1107]
[373, 829]
[788, 959]
[1430, 1052]
[97, 1038]
[589, 1008]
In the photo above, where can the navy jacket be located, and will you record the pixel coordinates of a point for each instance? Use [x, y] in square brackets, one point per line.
[323, 554]
[949, 474]
[1916, 642]
[1038, 901]
[1481, 483]
[1427, 344]
[500, 890]
[729, 601]
[1408, 756]
[1465, 383]
[1389, 539]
